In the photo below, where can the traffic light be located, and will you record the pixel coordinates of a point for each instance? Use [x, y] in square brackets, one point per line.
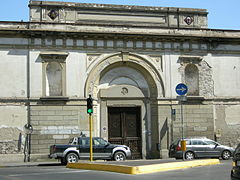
[89, 105]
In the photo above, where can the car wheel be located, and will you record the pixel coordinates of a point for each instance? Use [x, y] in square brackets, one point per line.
[226, 155]
[72, 158]
[119, 156]
[189, 155]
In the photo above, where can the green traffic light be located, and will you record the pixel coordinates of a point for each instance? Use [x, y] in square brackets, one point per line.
[90, 111]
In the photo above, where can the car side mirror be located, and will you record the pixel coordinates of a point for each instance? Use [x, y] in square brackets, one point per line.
[216, 145]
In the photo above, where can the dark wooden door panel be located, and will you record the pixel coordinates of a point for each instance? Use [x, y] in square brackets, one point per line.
[115, 125]
[132, 124]
[125, 128]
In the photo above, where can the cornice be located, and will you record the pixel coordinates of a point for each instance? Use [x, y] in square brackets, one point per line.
[69, 29]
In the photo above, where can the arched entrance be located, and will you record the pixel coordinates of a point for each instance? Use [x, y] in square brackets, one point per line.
[126, 93]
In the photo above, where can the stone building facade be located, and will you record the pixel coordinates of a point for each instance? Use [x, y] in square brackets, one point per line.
[130, 59]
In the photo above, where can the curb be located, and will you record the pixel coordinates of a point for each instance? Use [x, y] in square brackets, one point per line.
[143, 169]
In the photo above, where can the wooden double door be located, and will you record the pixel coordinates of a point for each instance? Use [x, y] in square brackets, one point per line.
[124, 127]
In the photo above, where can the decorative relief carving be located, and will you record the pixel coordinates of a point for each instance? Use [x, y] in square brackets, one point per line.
[158, 62]
[53, 14]
[188, 20]
[91, 58]
[125, 56]
[124, 91]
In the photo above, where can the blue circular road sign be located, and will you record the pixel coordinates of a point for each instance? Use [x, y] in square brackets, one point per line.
[181, 89]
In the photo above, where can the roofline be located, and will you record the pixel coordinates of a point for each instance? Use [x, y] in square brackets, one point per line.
[114, 7]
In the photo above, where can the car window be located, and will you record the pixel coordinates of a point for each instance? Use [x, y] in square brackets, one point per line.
[84, 142]
[188, 142]
[210, 143]
[198, 142]
[95, 142]
[100, 141]
[73, 141]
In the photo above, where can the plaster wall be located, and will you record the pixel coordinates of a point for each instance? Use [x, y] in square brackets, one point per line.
[13, 73]
[226, 75]
[76, 74]
[36, 74]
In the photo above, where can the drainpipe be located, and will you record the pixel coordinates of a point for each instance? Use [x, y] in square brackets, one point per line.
[28, 137]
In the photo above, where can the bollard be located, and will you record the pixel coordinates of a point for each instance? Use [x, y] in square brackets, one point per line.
[183, 145]
[183, 148]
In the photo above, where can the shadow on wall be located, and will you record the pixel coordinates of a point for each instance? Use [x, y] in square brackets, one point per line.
[164, 131]
[18, 52]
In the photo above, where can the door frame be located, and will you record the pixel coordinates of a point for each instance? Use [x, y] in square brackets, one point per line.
[145, 119]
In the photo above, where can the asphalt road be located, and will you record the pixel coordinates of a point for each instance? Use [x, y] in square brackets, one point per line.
[214, 172]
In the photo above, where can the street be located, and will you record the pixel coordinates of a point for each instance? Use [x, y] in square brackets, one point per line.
[48, 172]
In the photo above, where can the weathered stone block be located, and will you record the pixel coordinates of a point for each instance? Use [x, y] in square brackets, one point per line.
[200, 129]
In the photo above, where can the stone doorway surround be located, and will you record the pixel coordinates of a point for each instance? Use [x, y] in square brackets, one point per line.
[127, 80]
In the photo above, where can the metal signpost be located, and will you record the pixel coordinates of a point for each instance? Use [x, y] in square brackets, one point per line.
[90, 111]
[27, 146]
[181, 90]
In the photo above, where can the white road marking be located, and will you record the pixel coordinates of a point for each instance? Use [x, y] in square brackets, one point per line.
[46, 173]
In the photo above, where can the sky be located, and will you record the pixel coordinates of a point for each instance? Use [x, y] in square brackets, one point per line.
[223, 14]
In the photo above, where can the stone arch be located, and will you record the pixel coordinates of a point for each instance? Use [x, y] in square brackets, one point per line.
[141, 90]
[138, 62]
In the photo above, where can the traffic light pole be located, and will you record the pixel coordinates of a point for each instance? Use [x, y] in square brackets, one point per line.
[91, 142]
[90, 111]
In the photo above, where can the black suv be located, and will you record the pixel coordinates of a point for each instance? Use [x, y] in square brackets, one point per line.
[79, 148]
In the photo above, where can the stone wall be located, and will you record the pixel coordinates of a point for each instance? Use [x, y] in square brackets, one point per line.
[197, 120]
[56, 124]
[227, 123]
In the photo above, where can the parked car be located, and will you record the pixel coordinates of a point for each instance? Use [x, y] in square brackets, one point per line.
[235, 172]
[79, 148]
[200, 148]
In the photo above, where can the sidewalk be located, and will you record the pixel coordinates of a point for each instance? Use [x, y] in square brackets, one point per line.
[54, 162]
[142, 166]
